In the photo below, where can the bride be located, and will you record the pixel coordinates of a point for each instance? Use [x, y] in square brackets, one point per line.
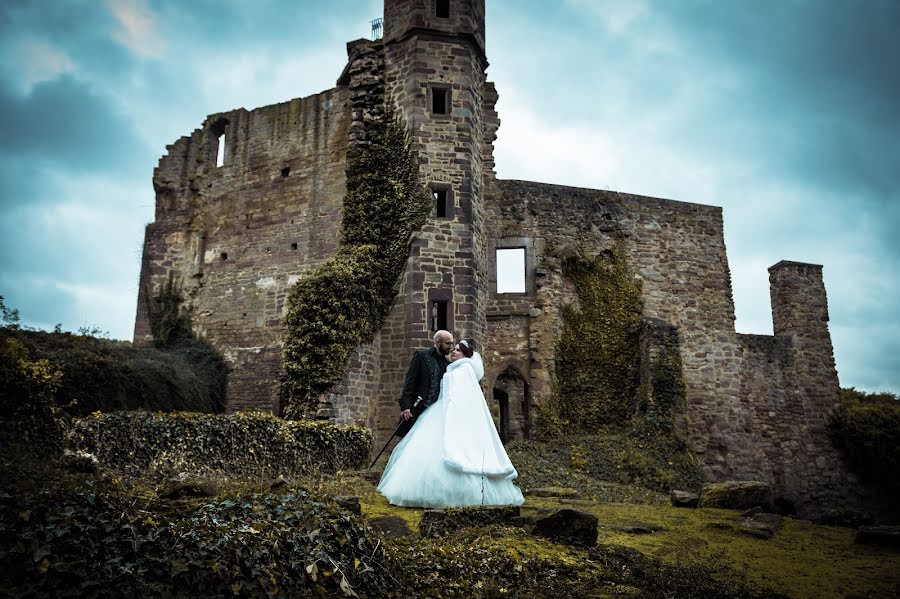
[453, 455]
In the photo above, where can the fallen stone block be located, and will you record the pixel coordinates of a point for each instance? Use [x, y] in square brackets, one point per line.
[737, 495]
[684, 499]
[390, 526]
[435, 523]
[637, 528]
[567, 525]
[554, 492]
[885, 536]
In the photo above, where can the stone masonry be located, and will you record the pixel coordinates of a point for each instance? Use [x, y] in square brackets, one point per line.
[239, 235]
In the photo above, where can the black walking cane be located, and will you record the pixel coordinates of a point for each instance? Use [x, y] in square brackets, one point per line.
[391, 438]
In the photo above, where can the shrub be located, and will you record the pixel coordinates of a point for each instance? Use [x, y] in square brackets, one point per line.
[246, 444]
[96, 541]
[866, 428]
[99, 374]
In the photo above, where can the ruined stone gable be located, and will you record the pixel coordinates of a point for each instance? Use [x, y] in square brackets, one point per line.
[240, 233]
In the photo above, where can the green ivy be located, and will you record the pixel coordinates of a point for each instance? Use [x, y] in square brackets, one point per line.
[97, 541]
[619, 383]
[598, 353]
[866, 428]
[342, 303]
[245, 444]
[99, 374]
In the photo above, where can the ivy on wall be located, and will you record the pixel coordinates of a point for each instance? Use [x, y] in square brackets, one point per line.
[598, 352]
[619, 384]
[342, 303]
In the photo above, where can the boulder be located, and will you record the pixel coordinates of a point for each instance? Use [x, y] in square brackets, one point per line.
[567, 525]
[761, 525]
[845, 517]
[390, 526]
[885, 536]
[684, 499]
[635, 528]
[435, 523]
[737, 495]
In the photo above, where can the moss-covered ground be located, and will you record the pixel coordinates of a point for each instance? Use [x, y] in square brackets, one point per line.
[802, 559]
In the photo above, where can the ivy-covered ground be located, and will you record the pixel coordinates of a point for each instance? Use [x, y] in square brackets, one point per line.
[65, 533]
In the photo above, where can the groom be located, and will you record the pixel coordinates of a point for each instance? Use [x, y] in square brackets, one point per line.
[423, 379]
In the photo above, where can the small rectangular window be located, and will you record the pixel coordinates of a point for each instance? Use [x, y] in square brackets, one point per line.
[220, 151]
[440, 101]
[511, 270]
[439, 315]
[442, 9]
[440, 202]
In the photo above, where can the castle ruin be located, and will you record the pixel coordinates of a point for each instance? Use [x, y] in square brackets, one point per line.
[253, 199]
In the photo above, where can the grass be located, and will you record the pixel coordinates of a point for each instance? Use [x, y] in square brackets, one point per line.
[802, 559]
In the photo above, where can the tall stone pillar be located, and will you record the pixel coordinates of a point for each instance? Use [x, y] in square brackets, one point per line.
[813, 472]
[435, 78]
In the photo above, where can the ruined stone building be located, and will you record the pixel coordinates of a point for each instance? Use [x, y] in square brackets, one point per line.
[252, 199]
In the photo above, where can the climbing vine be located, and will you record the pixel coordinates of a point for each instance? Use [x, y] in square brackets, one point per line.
[342, 303]
[598, 353]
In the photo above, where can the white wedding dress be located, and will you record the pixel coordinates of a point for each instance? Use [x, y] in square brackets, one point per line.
[453, 455]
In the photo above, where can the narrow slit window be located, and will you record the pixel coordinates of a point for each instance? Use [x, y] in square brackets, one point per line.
[224, 255]
[440, 203]
[439, 315]
[286, 171]
[442, 9]
[440, 101]
[220, 151]
[511, 270]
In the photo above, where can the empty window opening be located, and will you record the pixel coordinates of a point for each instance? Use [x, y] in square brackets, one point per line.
[440, 101]
[440, 202]
[286, 171]
[220, 151]
[224, 255]
[511, 270]
[439, 315]
[442, 9]
[294, 246]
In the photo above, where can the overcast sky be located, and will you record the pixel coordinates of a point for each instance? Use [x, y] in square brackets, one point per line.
[784, 112]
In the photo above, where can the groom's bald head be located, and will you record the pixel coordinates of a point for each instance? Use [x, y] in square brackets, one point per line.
[443, 341]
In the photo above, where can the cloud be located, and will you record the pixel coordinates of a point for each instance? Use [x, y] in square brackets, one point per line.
[28, 61]
[64, 123]
[137, 29]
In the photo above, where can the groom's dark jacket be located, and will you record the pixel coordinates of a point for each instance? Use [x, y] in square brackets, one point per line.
[423, 379]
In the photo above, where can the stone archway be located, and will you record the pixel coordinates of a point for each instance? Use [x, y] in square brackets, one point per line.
[512, 400]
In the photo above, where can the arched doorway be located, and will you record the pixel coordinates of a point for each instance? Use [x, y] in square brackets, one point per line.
[511, 403]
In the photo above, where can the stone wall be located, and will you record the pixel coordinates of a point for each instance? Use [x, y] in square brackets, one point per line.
[239, 235]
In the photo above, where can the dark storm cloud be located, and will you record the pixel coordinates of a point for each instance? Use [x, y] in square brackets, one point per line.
[814, 77]
[64, 123]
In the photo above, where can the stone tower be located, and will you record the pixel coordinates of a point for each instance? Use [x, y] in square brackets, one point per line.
[435, 77]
